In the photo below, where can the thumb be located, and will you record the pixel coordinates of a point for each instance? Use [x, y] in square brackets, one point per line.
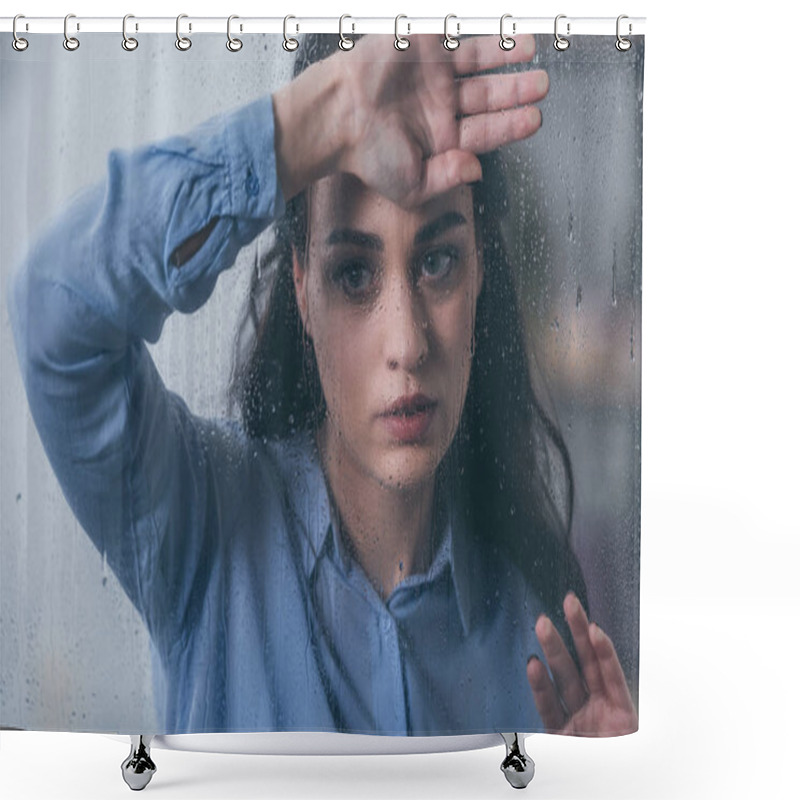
[446, 171]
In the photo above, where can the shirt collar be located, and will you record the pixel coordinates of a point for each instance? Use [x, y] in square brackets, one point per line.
[313, 505]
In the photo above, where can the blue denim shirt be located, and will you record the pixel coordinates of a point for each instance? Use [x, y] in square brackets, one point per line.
[259, 620]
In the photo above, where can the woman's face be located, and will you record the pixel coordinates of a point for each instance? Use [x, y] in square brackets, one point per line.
[388, 297]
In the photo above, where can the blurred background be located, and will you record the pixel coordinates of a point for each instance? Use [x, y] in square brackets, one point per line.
[74, 654]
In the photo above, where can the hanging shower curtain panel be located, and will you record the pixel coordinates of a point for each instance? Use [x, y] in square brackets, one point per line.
[321, 378]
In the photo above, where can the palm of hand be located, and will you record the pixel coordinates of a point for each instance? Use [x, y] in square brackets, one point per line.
[409, 129]
[599, 716]
[419, 122]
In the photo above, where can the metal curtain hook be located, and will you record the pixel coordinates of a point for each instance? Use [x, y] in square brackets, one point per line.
[449, 42]
[560, 42]
[400, 42]
[289, 44]
[128, 42]
[623, 44]
[344, 42]
[181, 42]
[233, 44]
[18, 43]
[506, 42]
[70, 42]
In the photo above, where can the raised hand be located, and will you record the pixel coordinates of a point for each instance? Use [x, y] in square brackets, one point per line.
[420, 119]
[590, 700]
[409, 126]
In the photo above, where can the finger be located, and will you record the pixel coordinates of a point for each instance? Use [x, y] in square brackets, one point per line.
[480, 53]
[484, 132]
[565, 673]
[613, 677]
[484, 93]
[579, 627]
[544, 695]
[444, 172]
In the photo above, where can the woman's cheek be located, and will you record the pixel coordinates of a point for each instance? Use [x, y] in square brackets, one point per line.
[460, 326]
[343, 371]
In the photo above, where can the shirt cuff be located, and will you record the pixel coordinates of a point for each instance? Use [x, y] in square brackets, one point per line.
[250, 144]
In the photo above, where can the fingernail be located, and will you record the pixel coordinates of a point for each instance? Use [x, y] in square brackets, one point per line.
[543, 619]
[529, 45]
[534, 657]
[543, 81]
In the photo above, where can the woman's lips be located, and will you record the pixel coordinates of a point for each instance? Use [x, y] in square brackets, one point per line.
[410, 418]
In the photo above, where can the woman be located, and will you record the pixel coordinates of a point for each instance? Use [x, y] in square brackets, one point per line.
[317, 570]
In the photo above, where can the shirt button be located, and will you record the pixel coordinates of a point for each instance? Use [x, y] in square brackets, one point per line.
[251, 184]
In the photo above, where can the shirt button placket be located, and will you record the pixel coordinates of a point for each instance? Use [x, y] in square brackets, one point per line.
[389, 631]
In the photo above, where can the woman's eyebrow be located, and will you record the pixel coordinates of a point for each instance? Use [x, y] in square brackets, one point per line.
[352, 236]
[370, 241]
[436, 228]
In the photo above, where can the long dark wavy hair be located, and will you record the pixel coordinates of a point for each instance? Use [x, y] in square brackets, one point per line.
[507, 452]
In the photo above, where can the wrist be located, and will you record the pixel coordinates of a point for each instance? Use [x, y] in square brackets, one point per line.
[311, 127]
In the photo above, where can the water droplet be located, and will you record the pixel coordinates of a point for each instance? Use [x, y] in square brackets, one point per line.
[633, 339]
[614, 277]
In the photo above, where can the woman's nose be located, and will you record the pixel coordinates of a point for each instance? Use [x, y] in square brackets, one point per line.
[405, 329]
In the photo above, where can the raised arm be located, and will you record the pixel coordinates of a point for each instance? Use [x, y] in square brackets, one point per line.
[135, 466]
[408, 126]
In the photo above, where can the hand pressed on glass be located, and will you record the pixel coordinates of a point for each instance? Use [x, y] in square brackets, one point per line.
[591, 701]
[408, 128]
[445, 118]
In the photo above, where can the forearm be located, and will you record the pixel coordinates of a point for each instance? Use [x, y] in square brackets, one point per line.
[312, 126]
[309, 138]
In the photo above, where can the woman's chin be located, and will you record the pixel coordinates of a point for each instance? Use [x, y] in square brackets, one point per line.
[411, 469]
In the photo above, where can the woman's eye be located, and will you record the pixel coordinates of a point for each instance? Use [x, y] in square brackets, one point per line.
[438, 263]
[354, 277]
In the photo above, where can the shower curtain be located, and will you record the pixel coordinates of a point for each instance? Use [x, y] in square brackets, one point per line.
[320, 410]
